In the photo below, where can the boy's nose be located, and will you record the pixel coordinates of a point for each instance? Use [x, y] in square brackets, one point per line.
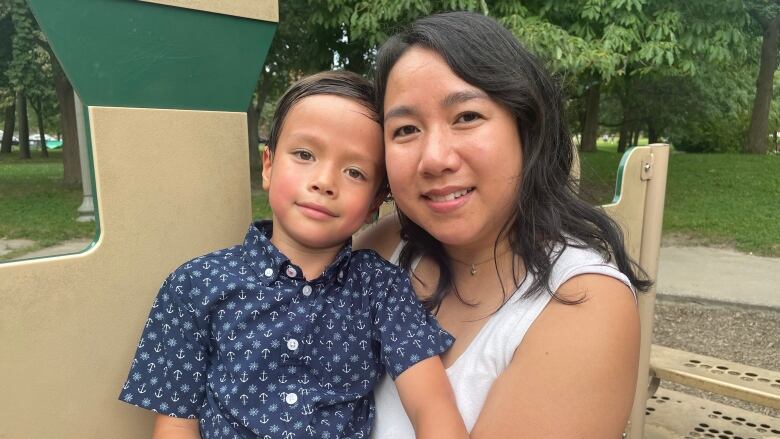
[323, 184]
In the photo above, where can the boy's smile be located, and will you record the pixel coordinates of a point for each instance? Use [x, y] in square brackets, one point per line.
[324, 175]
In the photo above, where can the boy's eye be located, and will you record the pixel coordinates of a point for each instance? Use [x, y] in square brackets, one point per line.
[303, 155]
[354, 173]
[405, 130]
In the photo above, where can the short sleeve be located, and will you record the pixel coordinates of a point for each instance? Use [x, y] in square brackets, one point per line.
[168, 372]
[405, 331]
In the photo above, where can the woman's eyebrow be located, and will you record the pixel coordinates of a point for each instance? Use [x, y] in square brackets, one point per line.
[448, 101]
[462, 96]
[399, 111]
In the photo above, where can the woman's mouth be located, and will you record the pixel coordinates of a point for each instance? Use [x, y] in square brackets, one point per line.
[447, 200]
[449, 197]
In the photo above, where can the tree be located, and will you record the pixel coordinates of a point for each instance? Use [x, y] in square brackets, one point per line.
[33, 68]
[767, 14]
[7, 97]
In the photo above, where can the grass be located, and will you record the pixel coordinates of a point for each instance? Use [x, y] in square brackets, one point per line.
[34, 205]
[260, 207]
[729, 200]
[712, 199]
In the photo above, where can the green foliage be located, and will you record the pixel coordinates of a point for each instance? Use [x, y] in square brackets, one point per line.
[25, 65]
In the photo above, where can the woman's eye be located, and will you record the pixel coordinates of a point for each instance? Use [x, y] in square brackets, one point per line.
[354, 173]
[469, 116]
[303, 155]
[405, 130]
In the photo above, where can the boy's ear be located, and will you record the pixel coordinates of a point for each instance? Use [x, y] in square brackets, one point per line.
[373, 212]
[267, 162]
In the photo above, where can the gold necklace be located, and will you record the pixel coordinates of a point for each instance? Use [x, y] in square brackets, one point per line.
[474, 265]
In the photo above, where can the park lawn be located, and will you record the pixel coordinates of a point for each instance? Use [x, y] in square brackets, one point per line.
[34, 205]
[730, 200]
[260, 207]
[712, 199]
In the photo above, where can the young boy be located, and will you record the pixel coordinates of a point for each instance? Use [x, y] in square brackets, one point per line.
[286, 335]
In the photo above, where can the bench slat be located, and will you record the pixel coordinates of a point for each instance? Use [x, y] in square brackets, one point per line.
[752, 384]
[674, 415]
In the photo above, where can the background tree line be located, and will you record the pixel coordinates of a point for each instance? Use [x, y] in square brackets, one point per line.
[698, 73]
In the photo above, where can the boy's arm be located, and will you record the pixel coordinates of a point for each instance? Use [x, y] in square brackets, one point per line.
[427, 397]
[167, 427]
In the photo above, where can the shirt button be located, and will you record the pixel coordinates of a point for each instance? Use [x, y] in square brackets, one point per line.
[292, 344]
[291, 398]
[290, 272]
[269, 272]
[306, 290]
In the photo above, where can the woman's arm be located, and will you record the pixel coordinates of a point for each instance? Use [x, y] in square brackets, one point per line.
[166, 427]
[382, 236]
[427, 397]
[574, 374]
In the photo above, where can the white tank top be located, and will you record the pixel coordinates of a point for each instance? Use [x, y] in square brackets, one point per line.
[472, 374]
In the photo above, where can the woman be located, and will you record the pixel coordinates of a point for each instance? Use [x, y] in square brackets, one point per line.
[533, 283]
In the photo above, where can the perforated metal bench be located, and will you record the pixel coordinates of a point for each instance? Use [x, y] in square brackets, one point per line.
[671, 414]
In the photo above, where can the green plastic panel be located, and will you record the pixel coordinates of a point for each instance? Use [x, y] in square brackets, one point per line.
[127, 53]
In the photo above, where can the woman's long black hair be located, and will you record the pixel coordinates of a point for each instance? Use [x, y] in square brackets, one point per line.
[548, 213]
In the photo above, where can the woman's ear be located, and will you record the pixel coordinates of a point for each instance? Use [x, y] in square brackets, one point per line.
[267, 162]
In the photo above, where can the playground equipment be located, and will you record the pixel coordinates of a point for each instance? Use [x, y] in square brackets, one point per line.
[165, 84]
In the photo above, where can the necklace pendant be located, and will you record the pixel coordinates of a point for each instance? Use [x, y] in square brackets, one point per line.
[473, 269]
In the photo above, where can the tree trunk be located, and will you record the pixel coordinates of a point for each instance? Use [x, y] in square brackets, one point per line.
[759, 120]
[70, 139]
[652, 133]
[625, 104]
[255, 164]
[591, 126]
[24, 127]
[8, 129]
[635, 141]
[262, 95]
[624, 136]
[41, 130]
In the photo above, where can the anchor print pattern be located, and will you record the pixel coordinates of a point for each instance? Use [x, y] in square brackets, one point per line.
[241, 341]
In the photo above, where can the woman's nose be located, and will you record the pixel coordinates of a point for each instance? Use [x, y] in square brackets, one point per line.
[439, 154]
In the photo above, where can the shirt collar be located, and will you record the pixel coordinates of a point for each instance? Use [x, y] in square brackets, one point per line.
[268, 262]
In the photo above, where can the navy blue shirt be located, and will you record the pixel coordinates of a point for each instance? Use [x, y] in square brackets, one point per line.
[240, 340]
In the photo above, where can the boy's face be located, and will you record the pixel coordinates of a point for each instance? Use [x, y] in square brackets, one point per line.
[323, 177]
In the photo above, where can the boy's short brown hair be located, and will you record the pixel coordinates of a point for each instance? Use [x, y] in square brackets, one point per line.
[336, 82]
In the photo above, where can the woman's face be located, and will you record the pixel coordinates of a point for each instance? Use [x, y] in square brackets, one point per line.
[453, 154]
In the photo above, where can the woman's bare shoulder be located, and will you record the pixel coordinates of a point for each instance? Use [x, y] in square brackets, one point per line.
[382, 236]
[580, 360]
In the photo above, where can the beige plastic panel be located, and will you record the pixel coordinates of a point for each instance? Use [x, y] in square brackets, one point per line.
[639, 211]
[759, 386]
[264, 10]
[170, 185]
[675, 415]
